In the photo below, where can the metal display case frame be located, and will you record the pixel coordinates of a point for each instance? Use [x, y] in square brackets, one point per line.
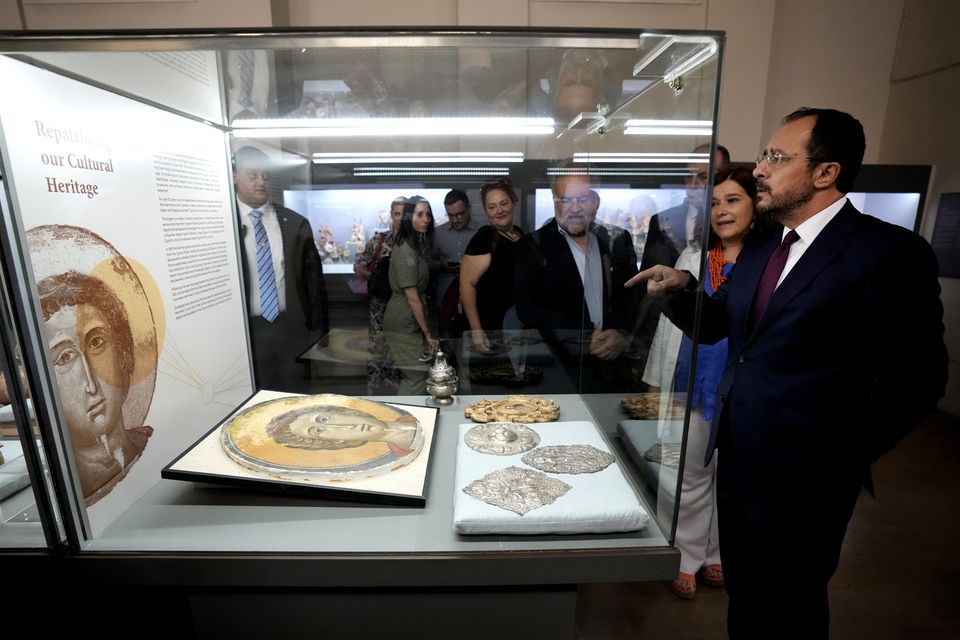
[210, 550]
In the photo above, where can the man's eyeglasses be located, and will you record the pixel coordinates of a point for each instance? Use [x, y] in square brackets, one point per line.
[566, 202]
[456, 215]
[776, 158]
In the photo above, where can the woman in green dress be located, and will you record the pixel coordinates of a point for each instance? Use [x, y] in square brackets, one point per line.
[406, 324]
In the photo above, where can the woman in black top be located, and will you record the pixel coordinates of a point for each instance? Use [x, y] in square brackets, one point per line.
[486, 272]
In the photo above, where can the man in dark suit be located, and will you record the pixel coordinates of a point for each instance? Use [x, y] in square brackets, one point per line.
[569, 283]
[836, 351]
[285, 290]
[669, 233]
[671, 230]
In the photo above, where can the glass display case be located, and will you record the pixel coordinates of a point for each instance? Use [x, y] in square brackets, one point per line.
[196, 218]
[29, 517]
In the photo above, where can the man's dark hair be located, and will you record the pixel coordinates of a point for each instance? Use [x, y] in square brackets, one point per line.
[724, 153]
[455, 196]
[249, 156]
[563, 169]
[836, 137]
[722, 150]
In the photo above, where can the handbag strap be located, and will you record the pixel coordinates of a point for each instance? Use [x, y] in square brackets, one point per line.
[376, 253]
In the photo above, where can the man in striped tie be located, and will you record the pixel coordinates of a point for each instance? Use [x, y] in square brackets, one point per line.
[286, 295]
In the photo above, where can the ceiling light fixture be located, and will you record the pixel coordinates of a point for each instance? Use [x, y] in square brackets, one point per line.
[365, 172]
[668, 127]
[354, 127]
[672, 56]
[400, 157]
[641, 158]
[605, 171]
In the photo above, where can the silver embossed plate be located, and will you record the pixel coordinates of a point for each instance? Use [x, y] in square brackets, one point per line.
[569, 458]
[501, 438]
[518, 490]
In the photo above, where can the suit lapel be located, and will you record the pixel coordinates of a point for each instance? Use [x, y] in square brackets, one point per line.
[567, 263]
[825, 247]
[678, 227]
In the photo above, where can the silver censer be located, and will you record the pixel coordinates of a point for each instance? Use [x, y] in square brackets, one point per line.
[442, 381]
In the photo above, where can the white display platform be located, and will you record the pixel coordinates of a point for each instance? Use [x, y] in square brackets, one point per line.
[600, 502]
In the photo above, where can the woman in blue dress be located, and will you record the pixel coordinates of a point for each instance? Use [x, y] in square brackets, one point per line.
[732, 222]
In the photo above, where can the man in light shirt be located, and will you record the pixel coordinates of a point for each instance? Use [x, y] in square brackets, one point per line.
[286, 295]
[450, 241]
[569, 280]
[836, 351]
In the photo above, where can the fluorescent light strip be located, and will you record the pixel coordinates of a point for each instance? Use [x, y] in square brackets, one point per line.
[412, 156]
[430, 171]
[342, 127]
[666, 131]
[598, 171]
[668, 127]
[642, 158]
[633, 122]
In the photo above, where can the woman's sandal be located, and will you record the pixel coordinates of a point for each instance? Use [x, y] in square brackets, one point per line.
[713, 575]
[685, 586]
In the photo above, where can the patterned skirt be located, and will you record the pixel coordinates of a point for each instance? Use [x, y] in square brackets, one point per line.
[383, 378]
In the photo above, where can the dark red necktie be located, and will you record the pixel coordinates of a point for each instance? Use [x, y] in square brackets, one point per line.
[771, 274]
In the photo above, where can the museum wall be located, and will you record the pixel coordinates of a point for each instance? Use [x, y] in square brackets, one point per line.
[924, 92]
[156, 14]
[10, 16]
[836, 54]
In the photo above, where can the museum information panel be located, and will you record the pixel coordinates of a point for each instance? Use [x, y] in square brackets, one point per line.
[126, 210]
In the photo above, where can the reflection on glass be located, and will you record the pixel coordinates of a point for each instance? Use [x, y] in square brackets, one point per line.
[533, 136]
[283, 273]
[343, 195]
[732, 221]
[20, 525]
[587, 206]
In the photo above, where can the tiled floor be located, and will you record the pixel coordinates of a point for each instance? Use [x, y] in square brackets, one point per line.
[899, 576]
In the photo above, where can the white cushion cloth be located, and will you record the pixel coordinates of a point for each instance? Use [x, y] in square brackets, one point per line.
[600, 502]
[638, 436]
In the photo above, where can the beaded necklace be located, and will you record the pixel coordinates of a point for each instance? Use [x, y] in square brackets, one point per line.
[715, 259]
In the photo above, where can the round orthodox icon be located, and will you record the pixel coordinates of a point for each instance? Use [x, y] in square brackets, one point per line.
[336, 437]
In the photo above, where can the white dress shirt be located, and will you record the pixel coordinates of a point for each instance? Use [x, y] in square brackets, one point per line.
[590, 265]
[692, 221]
[808, 230]
[249, 239]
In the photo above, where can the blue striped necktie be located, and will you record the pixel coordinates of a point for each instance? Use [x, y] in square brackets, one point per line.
[247, 61]
[269, 302]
